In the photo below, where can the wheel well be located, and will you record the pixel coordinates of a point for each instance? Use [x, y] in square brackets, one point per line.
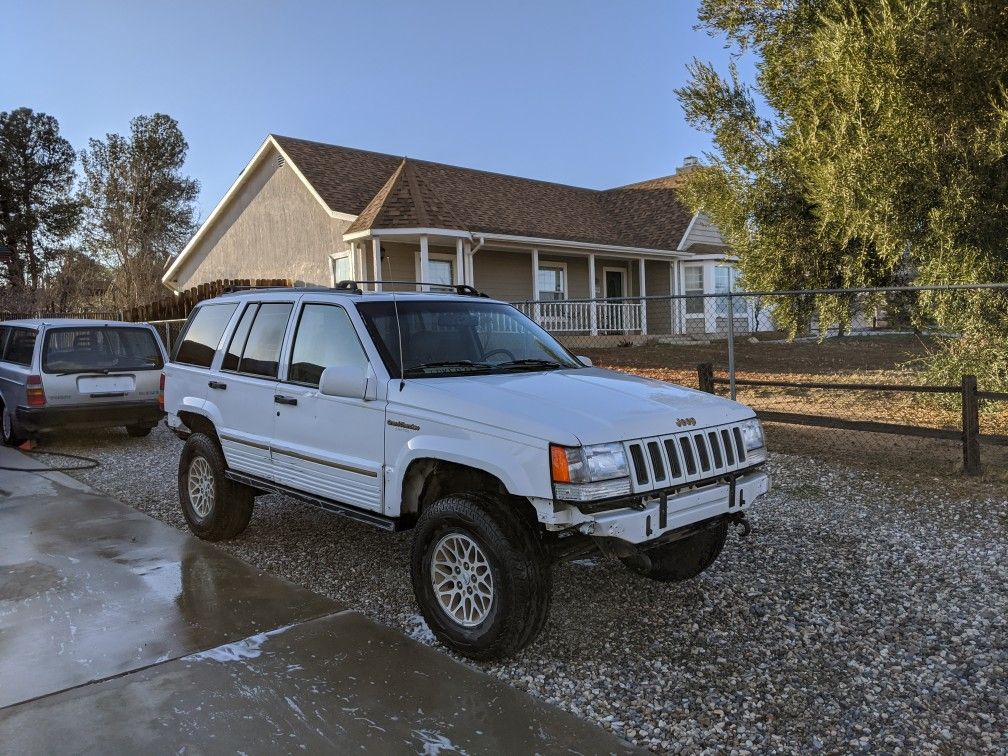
[199, 424]
[428, 480]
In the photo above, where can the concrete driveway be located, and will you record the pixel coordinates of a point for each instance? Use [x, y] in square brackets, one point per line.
[121, 634]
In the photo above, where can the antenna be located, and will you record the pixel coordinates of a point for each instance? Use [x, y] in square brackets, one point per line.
[398, 325]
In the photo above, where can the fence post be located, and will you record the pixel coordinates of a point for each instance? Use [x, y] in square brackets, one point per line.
[705, 377]
[970, 426]
[731, 339]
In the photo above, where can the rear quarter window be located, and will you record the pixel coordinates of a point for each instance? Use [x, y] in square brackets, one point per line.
[202, 335]
[20, 346]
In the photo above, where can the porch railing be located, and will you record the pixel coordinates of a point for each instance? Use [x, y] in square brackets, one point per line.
[595, 316]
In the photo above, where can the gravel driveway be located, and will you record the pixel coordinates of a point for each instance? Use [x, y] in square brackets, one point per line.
[864, 612]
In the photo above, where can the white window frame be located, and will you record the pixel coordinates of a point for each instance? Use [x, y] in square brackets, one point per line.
[702, 289]
[443, 256]
[339, 256]
[564, 280]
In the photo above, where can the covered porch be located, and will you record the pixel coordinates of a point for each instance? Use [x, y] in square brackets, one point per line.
[566, 289]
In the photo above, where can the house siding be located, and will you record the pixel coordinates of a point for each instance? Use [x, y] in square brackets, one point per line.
[272, 228]
[703, 232]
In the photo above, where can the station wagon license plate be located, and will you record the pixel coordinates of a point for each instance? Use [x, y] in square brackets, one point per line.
[106, 384]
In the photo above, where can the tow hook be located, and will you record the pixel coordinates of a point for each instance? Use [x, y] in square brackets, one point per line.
[742, 526]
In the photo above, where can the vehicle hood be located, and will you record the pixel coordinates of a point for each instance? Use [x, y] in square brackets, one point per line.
[585, 405]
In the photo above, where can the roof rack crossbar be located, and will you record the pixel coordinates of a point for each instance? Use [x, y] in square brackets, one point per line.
[462, 289]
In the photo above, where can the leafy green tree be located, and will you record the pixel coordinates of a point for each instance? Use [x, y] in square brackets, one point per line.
[873, 142]
[138, 205]
[37, 208]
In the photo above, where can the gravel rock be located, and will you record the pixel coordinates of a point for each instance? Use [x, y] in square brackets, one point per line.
[864, 613]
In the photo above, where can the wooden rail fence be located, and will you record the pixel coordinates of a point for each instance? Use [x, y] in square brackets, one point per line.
[968, 434]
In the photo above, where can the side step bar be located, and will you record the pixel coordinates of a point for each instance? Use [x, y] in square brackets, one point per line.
[392, 524]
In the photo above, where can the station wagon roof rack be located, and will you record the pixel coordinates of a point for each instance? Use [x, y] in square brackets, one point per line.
[461, 289]
[252, 287]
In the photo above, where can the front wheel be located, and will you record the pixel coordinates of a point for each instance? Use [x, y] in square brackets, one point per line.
[481, 575]
[139, 431]
[682, 559]
[214, 507]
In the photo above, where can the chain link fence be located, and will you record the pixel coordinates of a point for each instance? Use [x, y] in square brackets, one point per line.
[852, 386]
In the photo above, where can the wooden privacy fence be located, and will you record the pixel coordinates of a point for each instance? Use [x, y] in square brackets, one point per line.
[968, 434]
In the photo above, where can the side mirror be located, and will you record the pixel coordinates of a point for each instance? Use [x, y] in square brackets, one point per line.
[586, 361]
[344, 380]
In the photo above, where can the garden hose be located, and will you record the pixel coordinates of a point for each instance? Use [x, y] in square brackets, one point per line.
[88, 463]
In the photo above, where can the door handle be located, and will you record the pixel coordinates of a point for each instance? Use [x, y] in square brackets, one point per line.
[217, 385]
[281, 399]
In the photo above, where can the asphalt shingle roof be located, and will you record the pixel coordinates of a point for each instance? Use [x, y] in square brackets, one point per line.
[385, 191]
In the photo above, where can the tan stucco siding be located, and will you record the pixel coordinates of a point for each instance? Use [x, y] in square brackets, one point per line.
[272, 228]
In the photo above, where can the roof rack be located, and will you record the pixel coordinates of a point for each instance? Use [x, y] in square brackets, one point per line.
[461, 289]
[253, 287]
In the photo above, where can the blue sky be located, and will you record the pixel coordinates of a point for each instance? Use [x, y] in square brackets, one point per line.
[576, 92]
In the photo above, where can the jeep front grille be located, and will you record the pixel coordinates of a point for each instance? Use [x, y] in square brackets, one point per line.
[663, 461]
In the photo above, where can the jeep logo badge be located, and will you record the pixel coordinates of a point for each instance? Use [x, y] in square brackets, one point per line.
[684, 421]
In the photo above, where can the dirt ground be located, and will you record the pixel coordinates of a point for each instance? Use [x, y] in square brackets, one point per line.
[871, 359]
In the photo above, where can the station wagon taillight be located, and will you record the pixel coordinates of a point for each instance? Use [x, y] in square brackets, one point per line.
[160, 396]
[36, 394]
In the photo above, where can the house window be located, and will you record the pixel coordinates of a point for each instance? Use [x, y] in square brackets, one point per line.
[342, 268]
[552, 283]
[693, 285]
[722, 276]
[441, 271]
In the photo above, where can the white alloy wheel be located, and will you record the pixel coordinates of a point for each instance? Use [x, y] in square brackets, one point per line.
[200, 482]
[463, 583]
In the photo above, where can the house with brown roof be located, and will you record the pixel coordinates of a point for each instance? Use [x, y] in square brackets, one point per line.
[320, 213]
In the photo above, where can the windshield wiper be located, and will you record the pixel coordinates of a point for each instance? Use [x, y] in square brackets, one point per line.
[448, 363]
[530, 363]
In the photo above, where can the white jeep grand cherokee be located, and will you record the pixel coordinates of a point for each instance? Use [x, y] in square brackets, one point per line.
[457, 416]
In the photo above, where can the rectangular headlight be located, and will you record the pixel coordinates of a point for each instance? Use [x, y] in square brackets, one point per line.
[752, 434]
[584, 473]
[587, 464]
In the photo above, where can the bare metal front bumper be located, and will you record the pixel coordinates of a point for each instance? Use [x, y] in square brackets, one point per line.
[681, 509]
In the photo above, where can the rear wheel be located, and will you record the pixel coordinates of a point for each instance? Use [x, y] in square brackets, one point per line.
[215, 508]
[682, 559]
[481, 575]
[139, 431]
[9, 432]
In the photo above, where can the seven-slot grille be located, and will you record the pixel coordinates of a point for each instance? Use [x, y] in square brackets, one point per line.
[663, 461]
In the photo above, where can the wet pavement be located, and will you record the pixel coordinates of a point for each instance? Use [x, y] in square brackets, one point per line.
[121, 634]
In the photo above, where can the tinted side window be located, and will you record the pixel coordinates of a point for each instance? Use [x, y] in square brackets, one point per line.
[203, 334]
[20, 346]
[325, 337]
[262, 349]
[3, 339]
[237, 345]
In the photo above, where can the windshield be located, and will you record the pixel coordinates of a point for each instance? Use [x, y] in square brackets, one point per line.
[99, 349]
[445, 338]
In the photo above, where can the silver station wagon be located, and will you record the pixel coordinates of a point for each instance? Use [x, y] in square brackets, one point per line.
[57, 373]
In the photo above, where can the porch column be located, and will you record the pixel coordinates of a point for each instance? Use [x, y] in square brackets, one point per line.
[643, 302]
[376, 254]
[536, 311]
[358, 261]
[593, 305]
[459, 262]
[467, 269]
[424, 262]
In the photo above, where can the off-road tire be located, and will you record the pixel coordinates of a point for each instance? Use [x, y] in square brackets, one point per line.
[683, 559]
[139, 431]
[232, 502]
[519, 564]
[10, 435]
